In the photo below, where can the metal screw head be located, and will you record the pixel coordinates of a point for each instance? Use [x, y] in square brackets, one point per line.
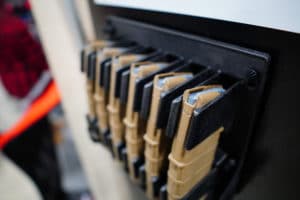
[252, 79]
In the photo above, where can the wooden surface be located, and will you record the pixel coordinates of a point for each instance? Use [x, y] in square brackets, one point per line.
[59, 36]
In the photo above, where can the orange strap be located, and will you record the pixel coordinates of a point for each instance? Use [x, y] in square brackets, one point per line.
[37, 110]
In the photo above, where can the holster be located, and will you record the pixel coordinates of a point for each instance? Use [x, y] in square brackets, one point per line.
[157, 146]
[115, 109]
[135, 126]
[188, 167]
[87, 66]
[100, 97]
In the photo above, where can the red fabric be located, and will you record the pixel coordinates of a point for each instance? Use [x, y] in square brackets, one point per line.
[21, 57]
[27, 5]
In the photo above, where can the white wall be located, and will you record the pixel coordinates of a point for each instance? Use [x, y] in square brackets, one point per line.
[277, 14]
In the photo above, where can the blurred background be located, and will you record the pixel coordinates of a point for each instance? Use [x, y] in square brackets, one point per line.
[46, 152]
[43, 153]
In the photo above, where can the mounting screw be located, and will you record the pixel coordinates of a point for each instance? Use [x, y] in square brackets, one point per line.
[252, 79]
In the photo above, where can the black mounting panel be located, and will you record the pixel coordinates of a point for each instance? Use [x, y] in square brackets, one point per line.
[229, 58]
[233, 60]
[248, 66]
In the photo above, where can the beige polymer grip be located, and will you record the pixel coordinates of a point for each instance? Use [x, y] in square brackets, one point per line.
[93, 46]
[116, 111]
[99, 97]
[135, 126]
[157, 147]
[188, 167]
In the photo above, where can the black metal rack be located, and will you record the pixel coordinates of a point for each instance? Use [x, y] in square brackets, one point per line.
[243, 73]
[243, 70]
